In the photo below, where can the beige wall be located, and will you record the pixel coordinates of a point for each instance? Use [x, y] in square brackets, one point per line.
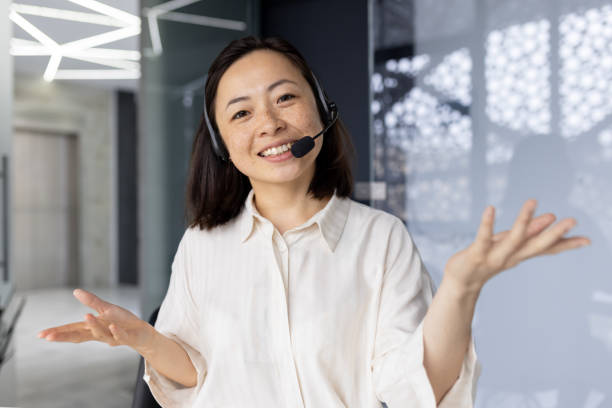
[88, 113]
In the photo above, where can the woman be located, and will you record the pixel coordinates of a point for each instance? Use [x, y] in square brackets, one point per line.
[286, 293]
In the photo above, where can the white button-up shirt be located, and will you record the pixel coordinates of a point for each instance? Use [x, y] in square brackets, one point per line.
[326, 315]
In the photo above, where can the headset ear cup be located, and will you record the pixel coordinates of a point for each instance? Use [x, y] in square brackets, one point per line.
[216, 141]
[322, 100]
[330, 105]
[218, 146]
[322, 113]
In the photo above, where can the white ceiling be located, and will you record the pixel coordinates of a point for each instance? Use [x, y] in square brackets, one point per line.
[63, 31]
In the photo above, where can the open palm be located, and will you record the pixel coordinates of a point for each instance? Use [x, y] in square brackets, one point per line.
[529, 237]
[114, 325]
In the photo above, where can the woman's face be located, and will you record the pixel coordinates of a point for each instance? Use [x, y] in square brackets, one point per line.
[263, 100]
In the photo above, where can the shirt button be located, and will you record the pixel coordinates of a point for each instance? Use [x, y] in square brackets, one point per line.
[280, 243]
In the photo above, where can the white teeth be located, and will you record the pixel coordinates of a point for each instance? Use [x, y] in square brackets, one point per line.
[273, 151]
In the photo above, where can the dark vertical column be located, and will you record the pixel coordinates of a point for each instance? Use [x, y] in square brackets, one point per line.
[333, 36]
[127, 173]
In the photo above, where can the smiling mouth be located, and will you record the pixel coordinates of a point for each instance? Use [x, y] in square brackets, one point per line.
[276, 151]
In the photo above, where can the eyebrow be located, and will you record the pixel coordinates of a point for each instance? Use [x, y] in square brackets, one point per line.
[271, 87]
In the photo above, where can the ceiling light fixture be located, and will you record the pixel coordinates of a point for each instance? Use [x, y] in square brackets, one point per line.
[76, 74]
[101, 39]
[165, 11]
[84, 48]
[107, 10]
[52, 67]
[29, 28]
[113, 63]
[60, 14]
[204, 21]
[21, 47]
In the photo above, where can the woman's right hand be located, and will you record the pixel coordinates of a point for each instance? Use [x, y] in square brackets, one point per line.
[114, 326]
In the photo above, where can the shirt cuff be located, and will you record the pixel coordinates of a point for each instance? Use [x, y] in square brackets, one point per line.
[169, 393]
[416, 388]
[463, 391]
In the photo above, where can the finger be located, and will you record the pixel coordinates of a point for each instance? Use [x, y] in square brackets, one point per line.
[73, 336]
[537, 225]
[516, 237]
[485, 230]
[65, 328]
[91, 300]
[99, 331]
[566, 244]
[118, 333]
[547, 239]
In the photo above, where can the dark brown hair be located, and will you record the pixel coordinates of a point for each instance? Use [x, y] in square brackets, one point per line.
[216, 190]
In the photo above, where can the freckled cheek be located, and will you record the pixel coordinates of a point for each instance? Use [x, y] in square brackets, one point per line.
[239, 144]
[309, 124]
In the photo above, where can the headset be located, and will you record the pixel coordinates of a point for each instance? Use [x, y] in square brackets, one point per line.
[299, 148]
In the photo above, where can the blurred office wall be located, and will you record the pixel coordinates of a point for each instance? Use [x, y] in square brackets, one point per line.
[68, 219]
[68, 171]
[63, 211]
[495, 102]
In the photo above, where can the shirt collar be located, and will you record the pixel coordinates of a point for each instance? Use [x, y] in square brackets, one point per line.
[330, 219]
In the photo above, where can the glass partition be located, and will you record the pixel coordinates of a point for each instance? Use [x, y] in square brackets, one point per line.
[495, 102]
[179, 41]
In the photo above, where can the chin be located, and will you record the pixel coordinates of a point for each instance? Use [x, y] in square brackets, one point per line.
[281, 177]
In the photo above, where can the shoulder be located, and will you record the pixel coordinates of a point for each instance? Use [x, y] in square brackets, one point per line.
[366, 216]
[201, 250]
[386, 233]
[196, 239]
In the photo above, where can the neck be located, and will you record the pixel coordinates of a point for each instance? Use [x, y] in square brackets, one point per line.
[286, 206]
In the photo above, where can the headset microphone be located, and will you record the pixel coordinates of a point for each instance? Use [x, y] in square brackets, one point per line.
[305, 144]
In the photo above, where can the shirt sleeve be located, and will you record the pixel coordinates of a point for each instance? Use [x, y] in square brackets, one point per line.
[399, 376]
[177, 319]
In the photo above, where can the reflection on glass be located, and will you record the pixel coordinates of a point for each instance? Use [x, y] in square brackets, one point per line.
[586, 69]
[422, 136]
[517, 71]
[452, 76]
[605, 140]
[494, 104]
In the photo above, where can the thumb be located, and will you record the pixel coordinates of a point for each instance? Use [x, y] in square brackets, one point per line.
[118, 333]
[91, 300]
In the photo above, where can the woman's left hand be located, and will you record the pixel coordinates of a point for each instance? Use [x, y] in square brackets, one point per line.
[490, 254]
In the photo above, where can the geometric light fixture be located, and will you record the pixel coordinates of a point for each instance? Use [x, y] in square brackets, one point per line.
[123, 64]
[166, 11]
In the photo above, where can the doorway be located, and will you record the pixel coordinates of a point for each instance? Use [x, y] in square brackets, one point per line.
[44, 188]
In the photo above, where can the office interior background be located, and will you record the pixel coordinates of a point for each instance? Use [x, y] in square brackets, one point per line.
[452, 105]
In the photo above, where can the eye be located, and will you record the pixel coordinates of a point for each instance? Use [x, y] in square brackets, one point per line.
[292, 96]
[236, 115]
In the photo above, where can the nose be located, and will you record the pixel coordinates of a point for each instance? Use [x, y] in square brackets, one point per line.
[270, 122]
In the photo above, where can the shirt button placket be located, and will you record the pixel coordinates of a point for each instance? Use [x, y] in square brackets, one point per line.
[293, 379]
